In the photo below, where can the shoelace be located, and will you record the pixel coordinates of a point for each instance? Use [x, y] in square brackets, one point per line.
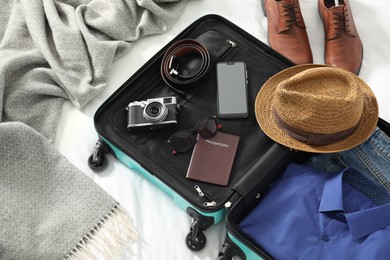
[292, 14]
[340, 22]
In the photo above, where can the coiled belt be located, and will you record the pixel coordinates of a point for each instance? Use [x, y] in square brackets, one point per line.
[184, 64]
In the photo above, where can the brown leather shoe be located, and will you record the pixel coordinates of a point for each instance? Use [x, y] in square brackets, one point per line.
[287, 31]
[343, 47]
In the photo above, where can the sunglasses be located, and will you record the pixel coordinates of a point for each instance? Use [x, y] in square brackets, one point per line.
[183, 140]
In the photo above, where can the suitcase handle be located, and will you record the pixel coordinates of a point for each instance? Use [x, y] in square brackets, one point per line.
[265, 170]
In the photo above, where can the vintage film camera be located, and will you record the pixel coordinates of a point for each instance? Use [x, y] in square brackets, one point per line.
[152, 114]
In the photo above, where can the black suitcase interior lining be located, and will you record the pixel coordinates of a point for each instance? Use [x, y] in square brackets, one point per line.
[149, 148]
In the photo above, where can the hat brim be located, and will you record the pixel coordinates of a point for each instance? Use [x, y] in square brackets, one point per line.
[265, 116]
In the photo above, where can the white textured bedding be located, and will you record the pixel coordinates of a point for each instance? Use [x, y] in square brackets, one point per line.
[161, 224]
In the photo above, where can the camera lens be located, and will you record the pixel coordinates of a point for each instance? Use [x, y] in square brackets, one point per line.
[155, 111]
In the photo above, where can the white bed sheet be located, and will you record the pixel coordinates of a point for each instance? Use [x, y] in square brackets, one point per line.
[161, 224]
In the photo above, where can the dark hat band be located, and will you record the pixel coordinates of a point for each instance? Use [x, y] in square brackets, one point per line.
[312, 138]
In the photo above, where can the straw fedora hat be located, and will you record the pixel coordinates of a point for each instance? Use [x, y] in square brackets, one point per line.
[316, 108]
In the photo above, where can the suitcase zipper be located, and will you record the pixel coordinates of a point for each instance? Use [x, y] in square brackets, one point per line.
[231, 44]
[210, 202]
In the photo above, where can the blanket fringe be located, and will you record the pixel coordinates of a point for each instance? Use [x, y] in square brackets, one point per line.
[107, 239]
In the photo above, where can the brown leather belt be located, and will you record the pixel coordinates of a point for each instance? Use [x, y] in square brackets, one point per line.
[184, 64]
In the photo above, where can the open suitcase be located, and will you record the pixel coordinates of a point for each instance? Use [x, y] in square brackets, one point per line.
[258, 161]
[148, 152]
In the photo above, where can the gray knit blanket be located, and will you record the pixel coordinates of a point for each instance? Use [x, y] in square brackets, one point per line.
[51, 51]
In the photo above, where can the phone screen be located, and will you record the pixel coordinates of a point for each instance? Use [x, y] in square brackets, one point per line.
[232, 100]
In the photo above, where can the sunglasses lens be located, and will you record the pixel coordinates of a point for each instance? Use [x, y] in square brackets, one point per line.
[207, 127]
[181, 141]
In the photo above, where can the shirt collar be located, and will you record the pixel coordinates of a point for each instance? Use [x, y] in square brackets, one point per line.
[363, 222]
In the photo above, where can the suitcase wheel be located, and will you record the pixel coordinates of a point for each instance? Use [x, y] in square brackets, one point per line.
[230, 250]
[196, 240]
[98, 159]
[225, 256]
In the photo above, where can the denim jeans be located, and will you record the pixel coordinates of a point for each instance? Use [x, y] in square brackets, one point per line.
[371, 158]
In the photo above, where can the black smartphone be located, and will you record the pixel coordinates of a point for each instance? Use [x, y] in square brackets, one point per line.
[232, 90]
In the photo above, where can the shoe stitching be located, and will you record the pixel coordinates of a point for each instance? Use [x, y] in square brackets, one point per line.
[292, 14]
[340, 22]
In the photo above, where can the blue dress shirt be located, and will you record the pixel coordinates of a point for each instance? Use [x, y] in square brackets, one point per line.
[308, 214]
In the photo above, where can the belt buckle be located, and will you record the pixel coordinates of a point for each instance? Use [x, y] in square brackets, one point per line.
[172, 70]
[170, 65]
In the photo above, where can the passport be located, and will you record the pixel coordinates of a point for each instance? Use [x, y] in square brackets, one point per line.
[212, 159]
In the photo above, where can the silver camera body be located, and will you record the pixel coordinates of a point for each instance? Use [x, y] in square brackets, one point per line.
[152, 114]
